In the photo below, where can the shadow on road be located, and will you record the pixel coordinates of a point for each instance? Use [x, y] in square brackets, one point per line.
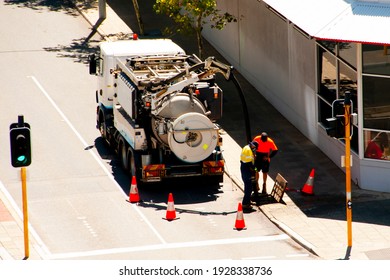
[66, 6]
[196, 190]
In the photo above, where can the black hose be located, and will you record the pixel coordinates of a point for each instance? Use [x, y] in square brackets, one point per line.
[244, 108]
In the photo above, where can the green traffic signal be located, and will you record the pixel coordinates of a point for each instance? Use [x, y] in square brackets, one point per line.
[21, 158]
[20, 146]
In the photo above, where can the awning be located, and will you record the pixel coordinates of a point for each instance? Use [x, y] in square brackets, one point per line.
[338, 20]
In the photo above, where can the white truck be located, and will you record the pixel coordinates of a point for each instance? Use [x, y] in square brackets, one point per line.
[157, 108]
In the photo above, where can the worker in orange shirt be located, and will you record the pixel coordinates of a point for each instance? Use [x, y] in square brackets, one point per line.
[266, 149]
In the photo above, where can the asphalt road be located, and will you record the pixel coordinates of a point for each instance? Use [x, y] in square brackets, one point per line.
[77, 194]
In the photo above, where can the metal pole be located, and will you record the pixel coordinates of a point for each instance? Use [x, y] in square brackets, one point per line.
[347, 118]
[25, 213]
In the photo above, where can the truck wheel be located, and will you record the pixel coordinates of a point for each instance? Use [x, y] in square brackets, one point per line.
[132, 166]
[102, 126]
[102, 129]
[123, 155]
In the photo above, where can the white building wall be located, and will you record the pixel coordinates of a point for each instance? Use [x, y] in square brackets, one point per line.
[274, 57]
[374, 175]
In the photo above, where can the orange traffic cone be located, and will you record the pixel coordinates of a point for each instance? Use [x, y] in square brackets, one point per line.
[134, 195]
[171, 213]
[240, 223]
[308, 187]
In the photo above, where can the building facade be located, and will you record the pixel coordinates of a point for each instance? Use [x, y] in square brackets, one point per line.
[304, 54]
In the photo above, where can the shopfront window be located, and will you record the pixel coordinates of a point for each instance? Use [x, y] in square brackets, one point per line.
[348, 53]
[330, 46]
[376, 102]
[337, 76]
[376, 144]
[324, 110]
[328, 82]
[376, 59]
[348, 82]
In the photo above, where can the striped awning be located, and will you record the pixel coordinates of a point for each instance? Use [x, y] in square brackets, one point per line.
[338, 20]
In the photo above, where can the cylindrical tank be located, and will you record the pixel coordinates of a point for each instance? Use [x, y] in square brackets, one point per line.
[183, 126]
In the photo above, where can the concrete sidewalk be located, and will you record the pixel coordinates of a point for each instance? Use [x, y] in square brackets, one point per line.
[12, 244]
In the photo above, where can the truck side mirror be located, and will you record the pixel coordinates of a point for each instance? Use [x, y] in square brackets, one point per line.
[92, 64]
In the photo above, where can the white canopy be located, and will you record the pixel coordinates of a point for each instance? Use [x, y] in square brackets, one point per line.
[339, 20]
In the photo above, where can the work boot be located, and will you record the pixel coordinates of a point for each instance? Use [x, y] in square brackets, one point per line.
[255, 197]
[246, 207]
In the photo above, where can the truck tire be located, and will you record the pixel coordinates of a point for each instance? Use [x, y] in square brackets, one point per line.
[102, 126]
[131, 163]
[134, 166]
[123, 155]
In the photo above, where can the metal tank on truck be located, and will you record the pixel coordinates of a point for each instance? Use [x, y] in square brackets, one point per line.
[158, 108]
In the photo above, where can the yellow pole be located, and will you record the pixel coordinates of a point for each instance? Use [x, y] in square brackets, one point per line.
[25, 213]
[347, 117]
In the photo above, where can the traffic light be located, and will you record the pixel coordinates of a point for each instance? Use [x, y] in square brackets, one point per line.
[20, 145]
[335, 127]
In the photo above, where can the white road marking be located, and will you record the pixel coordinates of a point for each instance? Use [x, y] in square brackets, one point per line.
[260, 258]
[297, 255]
[169, 246]
[108, 173]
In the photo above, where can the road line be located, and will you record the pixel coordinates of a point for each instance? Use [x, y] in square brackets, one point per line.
[170, 246]
[85, 144]
[297, 255]
[259, 258]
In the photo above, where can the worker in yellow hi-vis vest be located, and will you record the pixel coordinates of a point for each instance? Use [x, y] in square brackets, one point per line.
[247, 168]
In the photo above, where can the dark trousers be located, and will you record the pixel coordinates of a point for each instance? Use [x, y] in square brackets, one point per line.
[246, 175]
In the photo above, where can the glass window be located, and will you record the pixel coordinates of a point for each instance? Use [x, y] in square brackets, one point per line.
[376, 102]
[355, 139]
[348, 82]
[336, 76]
[328, 76]
[376, 145]
[329, 45]
[348, 52]
[376, 59]
[325, 111]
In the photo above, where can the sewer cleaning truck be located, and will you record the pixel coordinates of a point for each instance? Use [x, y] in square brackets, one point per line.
[158, 108]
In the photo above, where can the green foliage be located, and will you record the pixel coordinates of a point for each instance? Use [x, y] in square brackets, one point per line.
[191, 15]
